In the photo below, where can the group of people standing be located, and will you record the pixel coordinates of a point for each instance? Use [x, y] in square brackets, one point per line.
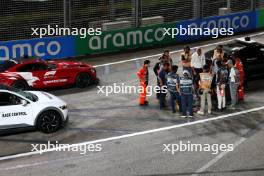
[199, 80]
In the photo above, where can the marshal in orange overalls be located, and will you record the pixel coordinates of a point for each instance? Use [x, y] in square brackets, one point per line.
[241, 90]
[143, 78]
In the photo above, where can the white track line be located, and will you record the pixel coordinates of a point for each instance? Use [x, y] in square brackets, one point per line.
[216, 159]
[133, 134]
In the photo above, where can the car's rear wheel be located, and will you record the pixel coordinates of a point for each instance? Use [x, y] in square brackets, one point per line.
[21, 85]
[49, 121]
[83, 80]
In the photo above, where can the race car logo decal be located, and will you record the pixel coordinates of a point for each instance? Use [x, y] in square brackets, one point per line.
[50, 73]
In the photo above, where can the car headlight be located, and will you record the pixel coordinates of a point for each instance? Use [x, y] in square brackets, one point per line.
[63, 107]
[93, 70]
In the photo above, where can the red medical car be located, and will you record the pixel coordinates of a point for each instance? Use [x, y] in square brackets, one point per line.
[40, 74]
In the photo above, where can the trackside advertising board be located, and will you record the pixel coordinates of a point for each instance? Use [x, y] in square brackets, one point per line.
[45, 48]
[260, 18]
[115, 41]
[239, 22]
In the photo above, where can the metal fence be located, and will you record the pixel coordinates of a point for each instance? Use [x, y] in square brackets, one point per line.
[17, 17]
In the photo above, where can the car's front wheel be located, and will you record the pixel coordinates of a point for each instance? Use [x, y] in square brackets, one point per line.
[20, 85]
[49, 121]
[83, 80]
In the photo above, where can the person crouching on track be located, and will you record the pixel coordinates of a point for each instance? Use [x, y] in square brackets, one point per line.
[173, 88]
[205, 88]
[143, 76]
[186, 92]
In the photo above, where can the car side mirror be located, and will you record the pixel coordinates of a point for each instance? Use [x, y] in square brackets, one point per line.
[24, 102]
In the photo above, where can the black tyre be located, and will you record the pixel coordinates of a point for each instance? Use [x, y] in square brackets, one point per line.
[21, 85]
[83, 80]
[49, 122]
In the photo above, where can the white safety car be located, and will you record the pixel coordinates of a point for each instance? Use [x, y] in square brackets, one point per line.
[38, 109]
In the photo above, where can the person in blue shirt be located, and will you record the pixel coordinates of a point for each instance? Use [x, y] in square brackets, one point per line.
[173, 88]
[186, 90]
[163, 84]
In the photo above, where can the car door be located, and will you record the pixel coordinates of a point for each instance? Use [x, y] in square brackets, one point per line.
[55, 76]
[249, 58]
[42, 72]
[33, 73]
[13, 113]
[261, 59]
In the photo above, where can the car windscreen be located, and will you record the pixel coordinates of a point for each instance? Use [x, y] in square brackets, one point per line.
[6, 65]
[52, 66]
[28, 95]
[233, 45]
[25, 94]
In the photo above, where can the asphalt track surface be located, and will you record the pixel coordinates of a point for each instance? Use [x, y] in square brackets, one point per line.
[133, 137]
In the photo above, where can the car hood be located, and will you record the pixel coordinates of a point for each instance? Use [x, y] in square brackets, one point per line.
[9, 75]
[44, 97]
[70, 63]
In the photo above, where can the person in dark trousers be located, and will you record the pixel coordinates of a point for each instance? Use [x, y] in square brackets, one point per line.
[234, 81]
[158, 66]
[221, 84]
[186, 92]
[173, 88]
[156, 70]
[162, 84]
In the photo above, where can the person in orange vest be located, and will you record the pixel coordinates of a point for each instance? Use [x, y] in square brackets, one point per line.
[240, 68]
[143, 76]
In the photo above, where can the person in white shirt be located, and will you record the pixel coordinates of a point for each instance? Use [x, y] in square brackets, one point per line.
[197, 63]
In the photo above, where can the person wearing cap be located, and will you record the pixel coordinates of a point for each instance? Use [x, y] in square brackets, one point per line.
[173, 88]
[205, 88]
[143, 76]
[186, 90]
